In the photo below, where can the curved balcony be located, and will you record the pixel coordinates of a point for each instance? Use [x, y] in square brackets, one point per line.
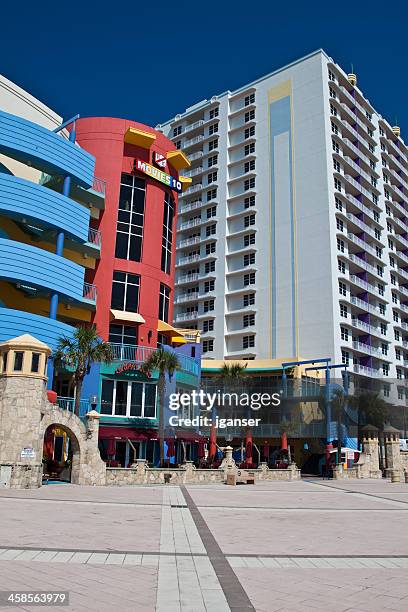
[17, 322]
[33, 144]
[22, 199]
[39, 269]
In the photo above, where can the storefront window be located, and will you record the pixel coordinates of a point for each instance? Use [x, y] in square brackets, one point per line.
[132, 399]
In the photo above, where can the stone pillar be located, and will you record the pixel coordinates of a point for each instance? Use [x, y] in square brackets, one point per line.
[23, 364]
[392, 450]
[228, 463]
[93, 426]
[370, 435]
[92, 469]
[141, 470]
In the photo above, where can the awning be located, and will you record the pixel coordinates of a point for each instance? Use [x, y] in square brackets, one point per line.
[139, 138]
[189, 436]
[124, 315]
[178, 159]
[125, 433]
[166, 328]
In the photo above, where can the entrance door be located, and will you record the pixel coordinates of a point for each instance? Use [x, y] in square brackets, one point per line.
[120, 454]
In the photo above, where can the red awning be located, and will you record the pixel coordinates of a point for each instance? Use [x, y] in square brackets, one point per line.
[124, 433]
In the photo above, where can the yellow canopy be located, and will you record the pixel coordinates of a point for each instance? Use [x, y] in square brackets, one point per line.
[140, 138]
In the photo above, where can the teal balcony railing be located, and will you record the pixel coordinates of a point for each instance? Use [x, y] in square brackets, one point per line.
[94, 237]
[68, 403]
[89, 292]
[139, 354]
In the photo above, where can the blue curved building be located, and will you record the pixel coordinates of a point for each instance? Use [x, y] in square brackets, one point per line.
[50, 203]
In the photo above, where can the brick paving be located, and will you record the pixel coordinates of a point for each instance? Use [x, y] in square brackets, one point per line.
[295, 546]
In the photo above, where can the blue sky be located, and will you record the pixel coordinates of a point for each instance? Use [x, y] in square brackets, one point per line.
[149, 60]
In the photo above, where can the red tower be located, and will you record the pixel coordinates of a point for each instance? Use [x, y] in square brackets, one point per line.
[135, 273]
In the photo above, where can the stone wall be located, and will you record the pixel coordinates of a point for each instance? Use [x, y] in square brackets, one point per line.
[188, 474]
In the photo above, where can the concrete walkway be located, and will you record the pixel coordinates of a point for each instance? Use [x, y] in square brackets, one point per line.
[295, 546]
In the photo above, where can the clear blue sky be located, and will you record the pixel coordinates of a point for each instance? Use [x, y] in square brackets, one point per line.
[149, 60]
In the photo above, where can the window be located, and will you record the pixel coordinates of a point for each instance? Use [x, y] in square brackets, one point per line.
[386, 390]
[377, 233]
[128, 399]
[393, 279]
[249, 99]
[209, 286]
[212, 177]
[334, 128]
[332, 93]
[394, 298]
[249, 259]
[345, 357]
[210, 248]
[396, 335]
[177, 130]
[344, 333]
[381, 288]
[384, 348]
[249, 279]
[333, 110]
[208, 325]
[400, 394]
[380, 270]
[167, 237]
[212, 161]
[248, 202]
[249, 184]
[249, 220]
[343, 311]
[209, 305]
[125, 292]
[214, 112]
[395, 316]
[383, 329]
[336, 166]
[209, 267]
[35, 362]
[129, 229]
[342, 288]
[249, 148]
[249, 116]
[341, 266]
[337, 184]
[399, 373]
[208, 346]
[392, 262]
[340, 224]
[248, 299]
[164, 303]
[211, 212]
[211, 194]
[248, 342]
[340, 245]
[381, 308]
[398, 354]
[339, 204]
[335, 146]
[210, 230]
[213, 128]
[122, 334]
[178, 144]
[18, 361]
[249, 132]
[213, 144]
[332, 76]
[248, 166]
[385, 369]
[249, 239]
[248, 320]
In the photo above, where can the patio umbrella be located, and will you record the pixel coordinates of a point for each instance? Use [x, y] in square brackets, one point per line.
[266, 450]
[170, 447]
[213, 443]
[284, 443]
[201, 450]
[111, 447]
[248, 447]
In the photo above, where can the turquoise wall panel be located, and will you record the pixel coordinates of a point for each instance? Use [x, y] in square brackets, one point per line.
[20, 198]
[17, 322]
[28, 142]
[28, 264]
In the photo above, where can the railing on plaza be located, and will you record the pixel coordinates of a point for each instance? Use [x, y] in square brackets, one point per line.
[68, 403]
[139, 354]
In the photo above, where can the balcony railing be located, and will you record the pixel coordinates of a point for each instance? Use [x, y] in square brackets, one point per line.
[89, 292]
[139, 354]
[357, 151]
[366, 348]
[193, 141]
[366, 371]
[370, 329]
[68, 403]
[189, 242]
[94, 237]
[191, 206]
[186, 316]
[99, 185]
[363, 264]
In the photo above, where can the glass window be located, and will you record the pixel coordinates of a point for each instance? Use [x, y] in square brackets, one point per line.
[136, 399]
[35, 362]
[164, 303]
[121, 397]
[122, 334]
[129, 229]
[125, 291]
[167, 238]
[18, 361]
[150, 401]
[107, 396]
[5, 355]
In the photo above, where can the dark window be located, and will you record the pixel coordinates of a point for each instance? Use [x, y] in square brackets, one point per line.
[107, 396]
[18, 361]
[167, 239]
[125, 291]
[5, 355]
[129, 230]
[122, 334]
[164, 303]
[35, 362]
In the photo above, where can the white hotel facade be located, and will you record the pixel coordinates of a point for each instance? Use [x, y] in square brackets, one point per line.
[293, 234]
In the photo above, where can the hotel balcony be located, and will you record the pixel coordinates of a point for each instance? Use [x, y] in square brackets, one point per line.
[359, 205]
[365, 327]
[367, 307]
[366, 371]
[186, 261]
[186, 316]
[364, 158]
[368, 350]
[139, 354]
[186, 279]
[194, 172]
[193, 142]
[186, 225]
[186, 297]
[363, 245]
[355, 280]
[192, 189]
[196, 204]
[188, 242]
[365, 266]
[366, 228]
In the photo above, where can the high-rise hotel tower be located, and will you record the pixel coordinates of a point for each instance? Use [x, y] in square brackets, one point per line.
[293, 234]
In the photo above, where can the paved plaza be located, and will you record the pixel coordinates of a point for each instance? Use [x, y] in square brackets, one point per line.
[276, 546]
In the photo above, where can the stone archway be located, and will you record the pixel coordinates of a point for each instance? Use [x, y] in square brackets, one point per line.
[74, 451]
[87, 465]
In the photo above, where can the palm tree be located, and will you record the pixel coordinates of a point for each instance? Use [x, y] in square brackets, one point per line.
[164, 362]
[372, 407]
[79, 352]
[231, 375]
